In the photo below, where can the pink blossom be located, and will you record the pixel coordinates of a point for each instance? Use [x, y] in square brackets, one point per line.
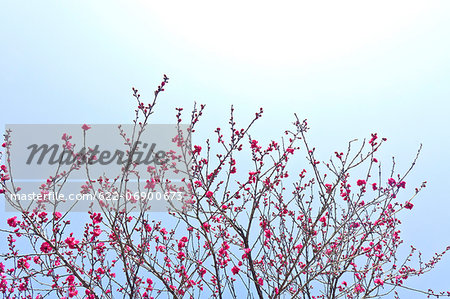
[57, 215]
[209, 194]
[359, 288]
[354, 225]
[391, 182]
[73, 293]
[202, 271]
[197, 149]
[71, 242]
[254, 145]
[100, 270]
[85, 127]
[378, 281]
[22, 287]
[408, 205]
[361, 182]
[260, 281]
[150, 184]
[235, 270]
[96, 232]
[42, 215]
[96, 218]
[12, 221]
[198, 183]
[223, 249]
[23, 263]
[100, 248]
[45, 247]
[181, 244]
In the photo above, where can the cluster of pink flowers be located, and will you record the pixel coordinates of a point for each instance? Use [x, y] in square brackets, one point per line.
[310, 236]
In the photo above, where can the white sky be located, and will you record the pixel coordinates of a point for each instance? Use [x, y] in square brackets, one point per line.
[288, 32]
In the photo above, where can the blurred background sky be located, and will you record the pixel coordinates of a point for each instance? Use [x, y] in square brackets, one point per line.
[351, 67]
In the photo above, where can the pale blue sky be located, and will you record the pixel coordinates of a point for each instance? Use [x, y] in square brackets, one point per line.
[350, 67]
